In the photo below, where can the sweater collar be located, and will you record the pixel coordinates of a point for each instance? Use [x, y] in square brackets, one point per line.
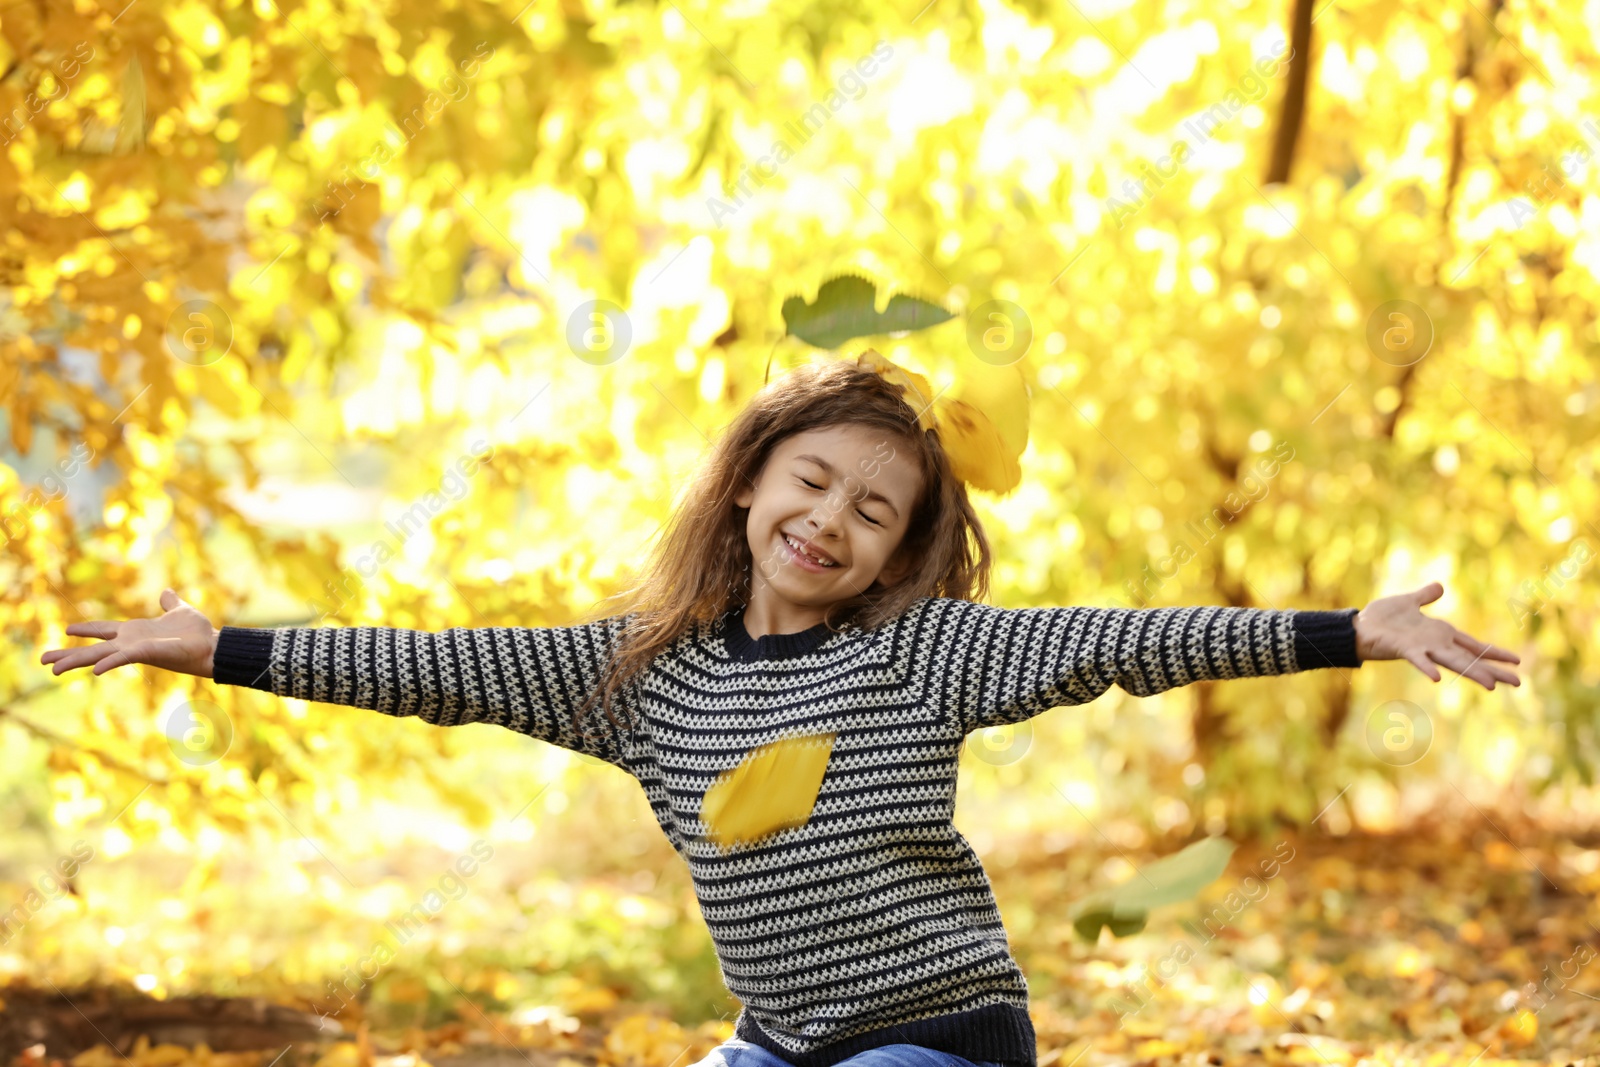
[741, 646]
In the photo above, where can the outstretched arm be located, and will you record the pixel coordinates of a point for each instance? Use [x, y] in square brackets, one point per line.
[528, 679]
[998, 666]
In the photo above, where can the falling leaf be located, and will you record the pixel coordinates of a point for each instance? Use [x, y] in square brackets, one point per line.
[130, 134]
[983, 424]
[984, 427]
[773, 788]
[846, 307]
[1169, 880]
[918, 393]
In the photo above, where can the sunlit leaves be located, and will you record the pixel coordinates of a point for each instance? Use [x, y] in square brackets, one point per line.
[381, 300]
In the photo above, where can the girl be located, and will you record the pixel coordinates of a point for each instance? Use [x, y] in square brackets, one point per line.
[822, 577]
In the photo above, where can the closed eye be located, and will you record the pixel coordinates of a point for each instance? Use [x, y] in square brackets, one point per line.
[863, 514]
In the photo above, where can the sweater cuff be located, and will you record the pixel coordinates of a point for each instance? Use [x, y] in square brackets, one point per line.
[243, 657]
[1325, 639]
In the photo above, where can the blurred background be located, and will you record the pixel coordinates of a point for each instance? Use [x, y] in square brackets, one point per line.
[421, 315]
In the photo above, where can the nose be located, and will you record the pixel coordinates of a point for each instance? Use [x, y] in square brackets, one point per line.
[825, 520]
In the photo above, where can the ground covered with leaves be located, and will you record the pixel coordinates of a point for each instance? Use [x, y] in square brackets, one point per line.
[1446, 946]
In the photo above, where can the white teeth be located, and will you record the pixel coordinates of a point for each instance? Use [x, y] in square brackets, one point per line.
[796, 546]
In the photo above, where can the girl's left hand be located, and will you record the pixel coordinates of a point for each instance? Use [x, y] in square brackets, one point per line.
[1394, 628]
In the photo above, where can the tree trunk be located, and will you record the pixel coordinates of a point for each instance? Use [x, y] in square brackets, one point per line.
[1294, 98]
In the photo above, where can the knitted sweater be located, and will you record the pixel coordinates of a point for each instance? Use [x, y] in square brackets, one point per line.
[873, 923]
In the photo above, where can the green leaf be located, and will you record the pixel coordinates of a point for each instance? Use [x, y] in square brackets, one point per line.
[1088, 924]
[847, 307]
[1169, 880]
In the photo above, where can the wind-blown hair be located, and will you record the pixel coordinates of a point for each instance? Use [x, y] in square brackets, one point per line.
[701, 565]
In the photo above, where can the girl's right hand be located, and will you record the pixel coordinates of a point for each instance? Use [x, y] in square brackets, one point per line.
[182, 640]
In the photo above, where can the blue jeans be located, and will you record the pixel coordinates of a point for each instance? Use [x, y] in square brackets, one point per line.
[738, 1053]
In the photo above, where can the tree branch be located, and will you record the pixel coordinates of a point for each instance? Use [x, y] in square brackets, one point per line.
[67, 742]
[1466, 68]
[1294, 98]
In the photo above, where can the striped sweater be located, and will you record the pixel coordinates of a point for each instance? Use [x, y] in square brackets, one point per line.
[874, 922]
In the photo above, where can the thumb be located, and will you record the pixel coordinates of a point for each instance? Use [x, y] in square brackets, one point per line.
[1429, 593]
[169, 600]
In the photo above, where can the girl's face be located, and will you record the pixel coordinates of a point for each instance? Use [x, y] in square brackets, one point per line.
[827, 512]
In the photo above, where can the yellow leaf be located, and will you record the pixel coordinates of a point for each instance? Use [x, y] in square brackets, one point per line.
[983, 423]
[773, 788]
[918, 393]
[342, 1054]
[1002, 395]
[1521, 1028]
[21, 423]
[98, 1056]
[1155, 1048]
[978, 452]
[130, 134]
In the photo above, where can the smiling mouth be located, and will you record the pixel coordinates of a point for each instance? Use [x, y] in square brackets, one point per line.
[794, 545]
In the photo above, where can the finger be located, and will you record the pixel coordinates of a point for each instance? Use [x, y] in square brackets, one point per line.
[98, 628]
[1429, 593]
[1486, 650]
[1456, 658]
[73, 658]
[1502, 675]
[137, 653]
[1423, 664]
[169, 600]
[119, 658]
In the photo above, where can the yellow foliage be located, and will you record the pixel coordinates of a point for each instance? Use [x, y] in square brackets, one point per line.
[393, 211]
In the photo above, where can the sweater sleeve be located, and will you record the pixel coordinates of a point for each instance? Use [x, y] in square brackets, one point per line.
[1006, 665]
[526, 679]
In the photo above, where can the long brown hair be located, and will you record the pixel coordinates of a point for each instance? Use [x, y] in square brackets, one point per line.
[701, 566]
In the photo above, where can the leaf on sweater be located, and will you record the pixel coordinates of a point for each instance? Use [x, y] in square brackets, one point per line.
[773, 788]
[1169, 880]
